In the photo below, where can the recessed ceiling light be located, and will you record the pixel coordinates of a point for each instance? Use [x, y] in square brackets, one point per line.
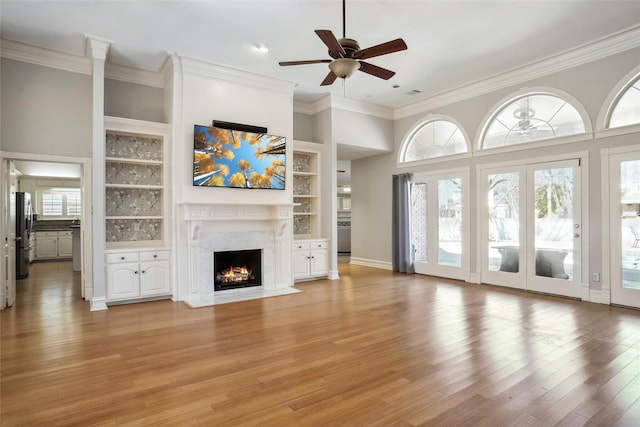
[262, 48]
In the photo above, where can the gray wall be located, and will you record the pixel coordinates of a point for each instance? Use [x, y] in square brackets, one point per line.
[303, 127]
[371, 177]
[133, 101]
[44, 110]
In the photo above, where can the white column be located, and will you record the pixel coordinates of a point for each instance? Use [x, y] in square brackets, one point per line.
[97, 50]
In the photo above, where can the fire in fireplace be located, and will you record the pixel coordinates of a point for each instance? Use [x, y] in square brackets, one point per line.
[237, 269]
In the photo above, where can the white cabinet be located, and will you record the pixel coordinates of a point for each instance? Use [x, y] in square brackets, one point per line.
[140, 274]
[310, 259]
[53, 244]
[65, 244]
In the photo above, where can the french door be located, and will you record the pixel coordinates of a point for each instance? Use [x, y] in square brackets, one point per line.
[439, 224]
[624, 183]
[532, 229]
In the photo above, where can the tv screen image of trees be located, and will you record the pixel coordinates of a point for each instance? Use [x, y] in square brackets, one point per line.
[230, 158]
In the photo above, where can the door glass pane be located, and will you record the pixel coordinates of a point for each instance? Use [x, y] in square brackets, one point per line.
[630, 223]
[504, 222]
[419, 220]
[554, 225]
[450, 222]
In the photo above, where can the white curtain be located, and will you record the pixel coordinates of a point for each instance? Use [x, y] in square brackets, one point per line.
[401, 223]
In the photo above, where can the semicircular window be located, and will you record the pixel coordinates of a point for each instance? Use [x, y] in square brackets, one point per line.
[435, 138]
[532, 117]
[627, 109]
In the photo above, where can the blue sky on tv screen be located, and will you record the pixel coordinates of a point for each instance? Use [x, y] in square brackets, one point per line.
[244, 152]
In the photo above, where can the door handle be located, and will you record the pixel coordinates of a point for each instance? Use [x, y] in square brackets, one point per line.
[576, 235]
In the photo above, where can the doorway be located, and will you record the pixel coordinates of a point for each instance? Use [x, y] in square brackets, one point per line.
[13, 160]
[440, 224]
[624, 228]
[532, 227]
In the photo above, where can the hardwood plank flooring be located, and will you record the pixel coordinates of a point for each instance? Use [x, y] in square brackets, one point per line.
[372, 349]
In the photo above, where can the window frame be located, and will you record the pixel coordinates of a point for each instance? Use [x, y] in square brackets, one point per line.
[64, 192]
[526, 91]
[408, 138]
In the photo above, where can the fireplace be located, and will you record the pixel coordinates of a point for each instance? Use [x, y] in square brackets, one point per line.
[237, 269]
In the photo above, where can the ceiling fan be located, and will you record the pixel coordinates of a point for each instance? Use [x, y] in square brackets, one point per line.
[348, 57]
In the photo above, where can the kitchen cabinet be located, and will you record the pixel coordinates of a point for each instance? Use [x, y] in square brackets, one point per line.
[139, 274]
[53, 244]
[310, 259]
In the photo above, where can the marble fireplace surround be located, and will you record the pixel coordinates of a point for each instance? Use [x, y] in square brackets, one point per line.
[216, 227]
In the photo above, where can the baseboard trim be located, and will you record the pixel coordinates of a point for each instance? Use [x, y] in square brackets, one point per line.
[384, 265]
[98, 304]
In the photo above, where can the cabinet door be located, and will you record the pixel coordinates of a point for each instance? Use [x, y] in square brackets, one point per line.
[123, 280]
[155, 278]
[64, 246]
[46, 247]
[319, 262]
[301, 264]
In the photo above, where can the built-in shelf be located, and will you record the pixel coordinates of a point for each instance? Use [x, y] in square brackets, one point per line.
[135, 183]
[306, 195]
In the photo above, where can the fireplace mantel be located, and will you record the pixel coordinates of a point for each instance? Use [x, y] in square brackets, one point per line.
[236, 211]
[209, 227]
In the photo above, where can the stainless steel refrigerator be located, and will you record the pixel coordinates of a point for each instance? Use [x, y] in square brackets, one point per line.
[24, 224]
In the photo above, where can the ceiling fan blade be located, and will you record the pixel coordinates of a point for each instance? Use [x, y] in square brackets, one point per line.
[335, 49]
[381, 49]
[329, 79]
[313, 61]
[374, 70]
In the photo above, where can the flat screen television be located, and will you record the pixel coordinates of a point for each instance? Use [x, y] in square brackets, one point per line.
[231, 158]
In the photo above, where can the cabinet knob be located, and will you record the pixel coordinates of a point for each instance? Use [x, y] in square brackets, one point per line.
[122, 257]
[135, 272]
[143, 271]
[155, 256]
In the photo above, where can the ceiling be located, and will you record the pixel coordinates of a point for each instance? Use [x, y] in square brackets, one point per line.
[450, 43]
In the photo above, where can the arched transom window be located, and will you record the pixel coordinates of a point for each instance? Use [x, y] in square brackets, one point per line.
[532, 117]
[434, 138]
[627, 109]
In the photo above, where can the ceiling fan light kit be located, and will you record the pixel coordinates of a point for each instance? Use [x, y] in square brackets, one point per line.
[344, 67]
[348, 57]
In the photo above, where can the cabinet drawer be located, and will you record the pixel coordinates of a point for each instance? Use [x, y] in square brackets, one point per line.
[300, 246]
[46, 234]
[155, 256]
[321, 244]
[64, 233]
[122, 257]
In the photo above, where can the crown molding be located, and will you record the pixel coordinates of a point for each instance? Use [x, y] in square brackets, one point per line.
[133, 75]
[601, 48]
[304, 107]
[45, 57]
[237, 76]
[341, 103]
[361, 107]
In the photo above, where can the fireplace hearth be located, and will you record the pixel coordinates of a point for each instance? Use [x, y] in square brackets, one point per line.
[237, 269]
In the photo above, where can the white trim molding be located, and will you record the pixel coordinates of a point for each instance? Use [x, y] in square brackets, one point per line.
[44, 57]
[237, 76]
[602, 122]
[384, 265]
[589, 52]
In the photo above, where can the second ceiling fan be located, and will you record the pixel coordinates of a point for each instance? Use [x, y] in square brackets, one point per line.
[348, 57]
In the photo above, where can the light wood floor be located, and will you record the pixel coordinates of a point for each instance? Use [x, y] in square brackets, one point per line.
[373, 349]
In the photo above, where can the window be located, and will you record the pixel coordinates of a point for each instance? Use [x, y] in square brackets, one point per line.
[627, 108]
[434, 138]
[61, 202]
[532, 117]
